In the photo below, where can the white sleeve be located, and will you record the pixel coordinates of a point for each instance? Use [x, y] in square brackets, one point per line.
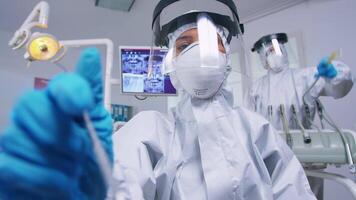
[336, 87]
[287, 174]
[133, 166]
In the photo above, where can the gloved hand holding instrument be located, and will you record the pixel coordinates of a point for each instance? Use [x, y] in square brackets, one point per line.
[325, 67]
[327, 70]
[47, 153]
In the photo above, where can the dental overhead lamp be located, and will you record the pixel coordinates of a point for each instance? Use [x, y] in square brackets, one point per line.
[39, 46]
[42, 47]
[45, 47]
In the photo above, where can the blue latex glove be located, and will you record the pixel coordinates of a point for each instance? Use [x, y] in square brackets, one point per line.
[47, 153]
[326, 69]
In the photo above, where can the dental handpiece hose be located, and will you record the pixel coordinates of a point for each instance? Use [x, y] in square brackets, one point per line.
[350, 161]
[329, 120]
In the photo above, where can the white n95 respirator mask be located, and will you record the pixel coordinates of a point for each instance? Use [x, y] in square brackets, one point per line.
[273, 55]
[199, 81]
[276, 62]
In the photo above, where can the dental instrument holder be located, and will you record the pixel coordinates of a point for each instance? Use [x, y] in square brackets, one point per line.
[285, 125]
[326, 148]
[328, 119]
[306, 135]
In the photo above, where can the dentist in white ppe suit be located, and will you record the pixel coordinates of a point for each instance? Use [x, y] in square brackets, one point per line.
[203, 148]
[286, 86]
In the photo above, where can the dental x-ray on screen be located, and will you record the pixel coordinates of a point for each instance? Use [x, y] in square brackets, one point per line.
[134, 72]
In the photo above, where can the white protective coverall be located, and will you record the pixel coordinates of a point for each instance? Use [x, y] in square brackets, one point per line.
[288, 86]
[205, 149]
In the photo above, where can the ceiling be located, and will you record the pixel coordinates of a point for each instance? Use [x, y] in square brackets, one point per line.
[254, 9]
[81, 19]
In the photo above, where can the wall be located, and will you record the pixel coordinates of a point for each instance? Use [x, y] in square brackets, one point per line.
[326, 26]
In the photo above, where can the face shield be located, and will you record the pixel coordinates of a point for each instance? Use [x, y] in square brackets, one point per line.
[201, 38]
[272, 51]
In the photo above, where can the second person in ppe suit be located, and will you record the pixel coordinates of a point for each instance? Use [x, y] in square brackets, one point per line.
[203, 149]
[286, 86]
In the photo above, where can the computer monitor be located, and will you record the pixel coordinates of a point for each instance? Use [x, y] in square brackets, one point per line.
[134, 71]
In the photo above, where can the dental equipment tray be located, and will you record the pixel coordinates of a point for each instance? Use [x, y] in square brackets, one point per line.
[325, 147]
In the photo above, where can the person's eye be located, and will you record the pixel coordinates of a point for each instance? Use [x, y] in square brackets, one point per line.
[181, 47]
